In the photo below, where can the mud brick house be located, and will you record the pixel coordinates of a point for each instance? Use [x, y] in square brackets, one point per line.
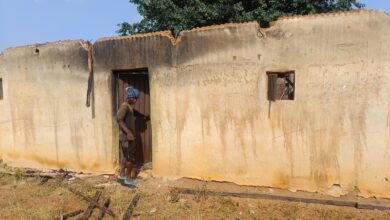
[303, 104]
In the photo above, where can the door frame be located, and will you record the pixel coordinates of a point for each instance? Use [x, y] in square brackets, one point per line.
[116, 73]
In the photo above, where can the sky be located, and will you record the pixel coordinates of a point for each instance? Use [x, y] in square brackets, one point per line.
[24, 22]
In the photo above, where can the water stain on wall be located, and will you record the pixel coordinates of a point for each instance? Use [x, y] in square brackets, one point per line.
[227, 114]
[345, 112]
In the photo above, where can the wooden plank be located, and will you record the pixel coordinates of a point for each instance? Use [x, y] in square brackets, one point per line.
[89, 211]
[336, 202]
[272, 78]
[148, 142]
[43, 180]
[109, 211]
[71, 214]
[38, 174]
[103, 211]
[129, 212]
[373, 206]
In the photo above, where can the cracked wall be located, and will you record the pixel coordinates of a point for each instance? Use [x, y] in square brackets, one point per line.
[44, 122]
[210, 115]
[213, 123]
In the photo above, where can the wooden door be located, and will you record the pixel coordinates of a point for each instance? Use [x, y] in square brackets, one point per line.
[140, 81]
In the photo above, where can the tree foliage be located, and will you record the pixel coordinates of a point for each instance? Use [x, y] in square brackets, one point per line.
[178, 15]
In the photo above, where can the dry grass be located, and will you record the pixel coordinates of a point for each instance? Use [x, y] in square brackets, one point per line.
[25, 198]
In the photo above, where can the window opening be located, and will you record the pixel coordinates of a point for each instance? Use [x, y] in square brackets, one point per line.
[281, 85]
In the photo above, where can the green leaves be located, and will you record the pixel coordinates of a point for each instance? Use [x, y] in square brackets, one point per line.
[178, 15]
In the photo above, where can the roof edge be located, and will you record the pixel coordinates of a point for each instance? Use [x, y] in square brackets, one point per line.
[328, 14]
[176, 40]
[220, 26]
[83, 43]
[141, 35]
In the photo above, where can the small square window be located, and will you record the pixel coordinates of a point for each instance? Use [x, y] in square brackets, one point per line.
[281, 85]
[1, 89]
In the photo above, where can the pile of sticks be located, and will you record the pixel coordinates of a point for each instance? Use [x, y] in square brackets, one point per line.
[103, 209]
[92, 202]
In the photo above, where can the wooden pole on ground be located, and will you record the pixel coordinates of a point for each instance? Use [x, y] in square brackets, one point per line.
[70, 214]
[130, 209]
[91, 206]
[91, 201]
[103, 211]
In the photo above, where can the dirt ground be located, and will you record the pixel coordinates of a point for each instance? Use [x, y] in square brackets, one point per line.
[28, 198]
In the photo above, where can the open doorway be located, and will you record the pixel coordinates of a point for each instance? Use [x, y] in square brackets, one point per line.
[138, 79]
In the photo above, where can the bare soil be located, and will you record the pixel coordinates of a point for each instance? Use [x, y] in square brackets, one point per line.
[27, 198]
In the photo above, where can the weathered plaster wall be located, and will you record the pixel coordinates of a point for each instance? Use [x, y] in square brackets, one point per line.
[44, 121]
[151, 51]
[210, 113]
[335, 132]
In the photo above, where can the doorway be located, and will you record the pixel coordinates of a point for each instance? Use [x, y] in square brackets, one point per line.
[138, 79]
